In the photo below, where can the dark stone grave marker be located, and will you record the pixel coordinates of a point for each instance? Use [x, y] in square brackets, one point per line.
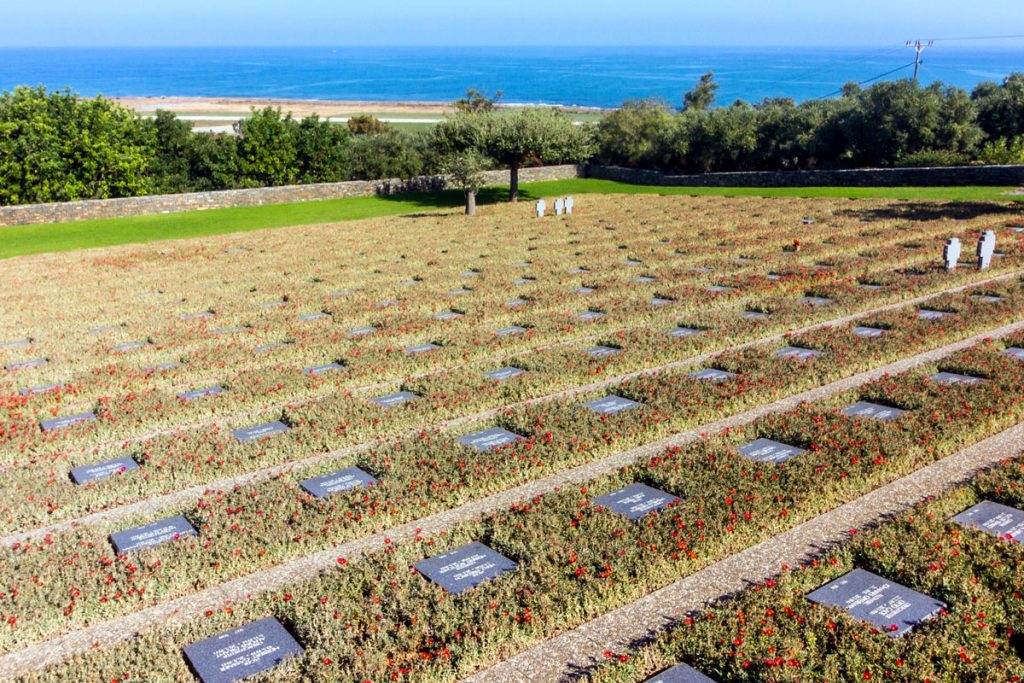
[928, 314]
[681, 673]
[102, 470]
[873, 410]
[767, 450]
[798, 352]
[681, 332]
[464, 568]
[603, 351]
[890, 607]
[954, 378]
[242, 652]
[152, 534]
[394, 399]
[327, 485]
[260, 431]
[610, 405]
[994, 518]
[636, 501]
[502, 374]
[713, 375]
[200, 393]
[754, 315]
[55, 423]
[489, 438]
[661, 301]
[322, 369]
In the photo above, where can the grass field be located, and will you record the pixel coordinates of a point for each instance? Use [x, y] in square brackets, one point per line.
[36, 239]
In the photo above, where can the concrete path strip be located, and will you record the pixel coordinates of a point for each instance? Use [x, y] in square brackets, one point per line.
[569, 656]
[180, 610]
[184, 496]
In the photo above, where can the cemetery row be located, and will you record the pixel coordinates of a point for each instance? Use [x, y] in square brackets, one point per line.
[34, 431]
[449, 604]
[578, 553]
[60, 485]
[317, 260]
[933, 595]
[255, 359]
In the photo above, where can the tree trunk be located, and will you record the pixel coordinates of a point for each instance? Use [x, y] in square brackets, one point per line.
[470, 202]
[513, 181]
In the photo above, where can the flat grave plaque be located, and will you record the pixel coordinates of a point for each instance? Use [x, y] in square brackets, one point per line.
[243, 652]
[700, 269]
[162, 367]
[327, 485]
[386, 303]
[873, 410]
[869, 286]
[610, 405]
[1016, 352]
[197, 316]
[681, 673]
[954, 378]
[322, 369]
[103, 328]
[633, 262]
[15, 343]
[506, 331]
[200, 393]
[26, 364]
[236, 250]
[890, 607]
[56, 423]
[447, 315]
[502, 374]
[341, 292]
[231, 330]
[713, 375]
[40, 389]
[797, 352]
[459, 292]
[467, 567]
[994, 518]
[816, 301]
[603, 351]
[470, 273]
[517, 302]
[394, 399]
[744, 259]
[522, 281]
[260, 431]
[681, 332]
[272, 346]
[928, 314]
[717, 289]
[590, 315]
[754, 315]
[636, 501]
[150, 535]
[421, 348]
[767, 450]
[102, 470]
[661, 301]
[774, 276]
[585, 290]
[868, 332]
[361, 331]
[644, 279]
[987, 298]
[319, 315]
[489, 438]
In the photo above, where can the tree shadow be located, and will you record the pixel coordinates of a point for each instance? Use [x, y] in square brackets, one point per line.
[932, 211]
[451, 199]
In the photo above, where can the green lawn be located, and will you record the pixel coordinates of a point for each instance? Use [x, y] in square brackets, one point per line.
[56, 237]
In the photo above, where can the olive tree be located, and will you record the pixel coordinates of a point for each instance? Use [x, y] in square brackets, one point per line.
[465, 171]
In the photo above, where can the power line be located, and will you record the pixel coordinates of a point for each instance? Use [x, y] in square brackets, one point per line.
[982, 38]
[919, 47]
[868, 80]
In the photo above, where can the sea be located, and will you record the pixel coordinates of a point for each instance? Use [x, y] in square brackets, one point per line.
[600, 77]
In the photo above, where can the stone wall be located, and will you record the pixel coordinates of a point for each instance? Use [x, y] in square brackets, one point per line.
[953, 176]
[195, 201]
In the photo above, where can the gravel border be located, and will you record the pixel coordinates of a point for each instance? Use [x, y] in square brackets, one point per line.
[569, 656]
[158, 503]
[180, 610]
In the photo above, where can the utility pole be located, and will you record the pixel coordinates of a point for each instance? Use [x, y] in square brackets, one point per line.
[919, 47]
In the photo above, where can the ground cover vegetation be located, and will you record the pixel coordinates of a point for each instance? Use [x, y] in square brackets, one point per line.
[771, 632]
[378, 619]
[125, 332]
[58, 147]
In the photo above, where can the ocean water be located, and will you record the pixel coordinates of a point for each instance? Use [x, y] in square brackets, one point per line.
[586, 76]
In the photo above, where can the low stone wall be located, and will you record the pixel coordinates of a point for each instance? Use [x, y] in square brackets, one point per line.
[952, 176]
[29, 214]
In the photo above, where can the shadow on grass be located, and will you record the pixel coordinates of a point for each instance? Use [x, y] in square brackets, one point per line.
[451, 199]
[931, 211]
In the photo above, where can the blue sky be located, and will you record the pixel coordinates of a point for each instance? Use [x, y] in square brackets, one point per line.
[519, 22]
